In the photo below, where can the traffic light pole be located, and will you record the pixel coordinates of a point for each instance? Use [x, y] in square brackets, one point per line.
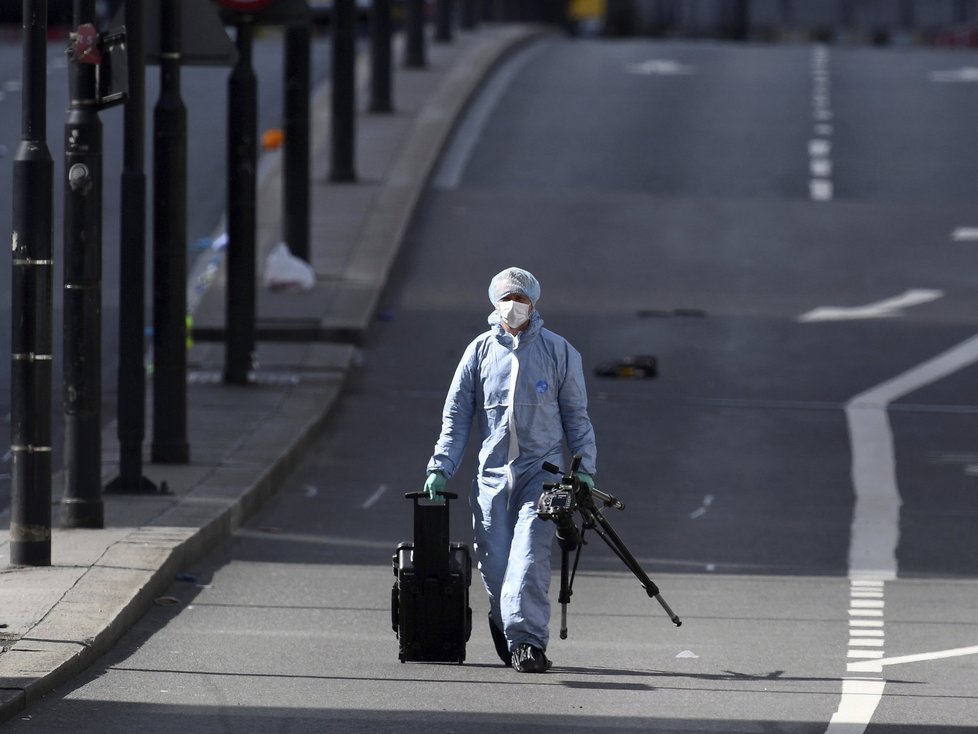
[31, 308]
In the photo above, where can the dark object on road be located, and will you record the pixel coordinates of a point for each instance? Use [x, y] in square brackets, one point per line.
[639, 365]
[430, 600]
[559, 502]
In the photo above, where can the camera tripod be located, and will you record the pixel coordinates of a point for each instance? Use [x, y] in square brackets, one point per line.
[558, 502]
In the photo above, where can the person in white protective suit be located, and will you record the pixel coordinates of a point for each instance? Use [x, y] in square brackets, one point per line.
[523, 386]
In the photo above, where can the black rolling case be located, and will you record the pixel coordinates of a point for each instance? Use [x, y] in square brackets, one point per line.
[430, 600]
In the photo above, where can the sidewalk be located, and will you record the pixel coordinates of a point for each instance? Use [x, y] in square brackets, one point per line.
[55, 621]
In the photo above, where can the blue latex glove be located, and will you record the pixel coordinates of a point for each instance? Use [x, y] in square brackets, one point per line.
[435, 485]
[586, 479]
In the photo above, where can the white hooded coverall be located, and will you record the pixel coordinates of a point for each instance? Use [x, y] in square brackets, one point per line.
[526, 396]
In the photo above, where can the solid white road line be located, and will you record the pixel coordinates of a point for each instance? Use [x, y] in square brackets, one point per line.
[919, 658]
[875, 532]
[859, 700]
[449, 172]
[887, 308]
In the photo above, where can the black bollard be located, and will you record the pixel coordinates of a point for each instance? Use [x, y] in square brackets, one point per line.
[81, 504]
[170, 444]
[31, 308]
[740, 20]
[468, 15]
[961, 12]
[380, 57]
[558, 13]
[343, 134]
[242, 161]
[295, 190]
[131, 407]
[414, 42]
[443, 21]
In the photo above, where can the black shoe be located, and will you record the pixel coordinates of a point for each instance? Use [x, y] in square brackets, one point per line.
[530, 659]
[499, 640]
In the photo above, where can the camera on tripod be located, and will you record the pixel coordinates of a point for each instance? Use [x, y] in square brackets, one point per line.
[559, 502]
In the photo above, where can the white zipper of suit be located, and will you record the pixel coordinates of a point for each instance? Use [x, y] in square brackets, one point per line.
[514, 444]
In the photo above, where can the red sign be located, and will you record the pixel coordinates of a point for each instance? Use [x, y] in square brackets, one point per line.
[246, 6]
[86, 45]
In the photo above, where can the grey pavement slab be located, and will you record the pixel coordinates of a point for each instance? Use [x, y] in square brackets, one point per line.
[54, 621]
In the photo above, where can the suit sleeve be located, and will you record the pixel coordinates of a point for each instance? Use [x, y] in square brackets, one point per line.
[457, 415]
[578, 430]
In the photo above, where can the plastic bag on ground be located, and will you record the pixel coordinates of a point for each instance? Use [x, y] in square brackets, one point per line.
[283, 270]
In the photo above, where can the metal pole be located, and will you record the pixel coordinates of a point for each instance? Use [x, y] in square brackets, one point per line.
[740, 24]
[908, 15]
[443, 21]
[31, 307]
[242, 161]
[131, 408]
[557, 12]
[170, 249]
[380, 57]
[961, 13]
[295, 191]
[414, 45]
[468, 19]
[343, 137]
[81, 505]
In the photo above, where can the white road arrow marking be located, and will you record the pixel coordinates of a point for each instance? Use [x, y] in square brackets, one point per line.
[886, 308]
[659, 67]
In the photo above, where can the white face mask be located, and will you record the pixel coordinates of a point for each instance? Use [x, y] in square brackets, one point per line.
[513, 313]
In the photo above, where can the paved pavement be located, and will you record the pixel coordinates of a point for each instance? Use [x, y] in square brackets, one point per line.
[244, 440]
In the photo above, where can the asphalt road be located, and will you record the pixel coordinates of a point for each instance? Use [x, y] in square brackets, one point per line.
[785, 228]
[204, 92]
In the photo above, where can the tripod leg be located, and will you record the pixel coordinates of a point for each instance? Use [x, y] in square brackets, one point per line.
[565, 593]
[607, 533]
